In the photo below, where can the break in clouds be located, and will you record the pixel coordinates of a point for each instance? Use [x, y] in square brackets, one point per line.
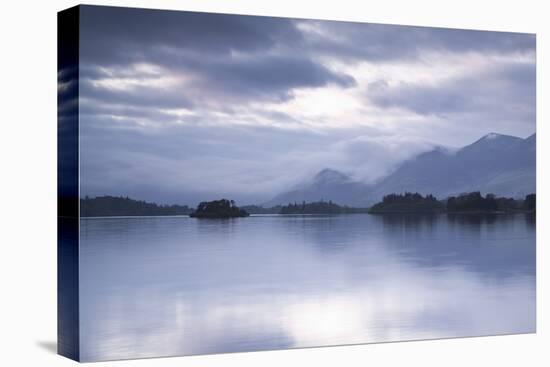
[178, 107]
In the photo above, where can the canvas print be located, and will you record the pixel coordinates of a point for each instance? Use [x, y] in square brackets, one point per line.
[234, 183]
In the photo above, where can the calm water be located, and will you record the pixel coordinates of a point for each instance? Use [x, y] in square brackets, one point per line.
[176, 285]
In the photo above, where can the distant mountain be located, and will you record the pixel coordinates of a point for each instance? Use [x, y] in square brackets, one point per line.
[327, 185]
[500, 164]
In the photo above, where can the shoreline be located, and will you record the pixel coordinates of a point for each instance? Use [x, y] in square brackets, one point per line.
[316, 214]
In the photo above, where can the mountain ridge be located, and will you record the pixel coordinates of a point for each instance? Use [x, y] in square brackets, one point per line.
[501, 164]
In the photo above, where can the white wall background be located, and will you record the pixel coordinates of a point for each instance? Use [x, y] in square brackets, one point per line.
[28, 182]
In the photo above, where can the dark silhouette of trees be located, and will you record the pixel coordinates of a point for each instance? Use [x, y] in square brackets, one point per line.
[107, 206]
[222, 208]
[408, 202]
[474, 202]
[318, 207]
[256, 209]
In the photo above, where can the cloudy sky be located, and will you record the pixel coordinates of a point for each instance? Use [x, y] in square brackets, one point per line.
[177, 107]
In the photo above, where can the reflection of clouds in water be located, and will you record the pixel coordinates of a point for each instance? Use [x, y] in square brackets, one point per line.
[413, 304]
[286, 291]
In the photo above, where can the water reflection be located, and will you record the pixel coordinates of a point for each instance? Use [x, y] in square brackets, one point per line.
[172, 286]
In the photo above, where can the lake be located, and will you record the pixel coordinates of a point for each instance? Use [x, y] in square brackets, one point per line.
[165, 286]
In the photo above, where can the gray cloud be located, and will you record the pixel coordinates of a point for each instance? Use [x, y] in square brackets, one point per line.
[505, 91]
[274, 75]
[142, 96]
[278, 54]
[124, 32]
[203, 45]
[228, 55]
[114, 35]
[380, 42]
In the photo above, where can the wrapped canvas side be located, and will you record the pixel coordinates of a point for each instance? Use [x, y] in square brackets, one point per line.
[67, 186]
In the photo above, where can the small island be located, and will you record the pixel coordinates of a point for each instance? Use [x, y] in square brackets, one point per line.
[222, 208]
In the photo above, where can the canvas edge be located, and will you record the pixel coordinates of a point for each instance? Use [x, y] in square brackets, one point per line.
[68, 315]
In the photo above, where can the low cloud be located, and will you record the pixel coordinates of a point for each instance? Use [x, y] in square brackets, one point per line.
[250, 165]
[368, 158]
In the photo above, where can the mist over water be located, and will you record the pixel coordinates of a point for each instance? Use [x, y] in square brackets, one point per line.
[163, 286]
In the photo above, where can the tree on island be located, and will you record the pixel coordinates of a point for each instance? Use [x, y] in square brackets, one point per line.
[222, 208]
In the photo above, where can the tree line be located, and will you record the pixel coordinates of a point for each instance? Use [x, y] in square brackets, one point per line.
[318, 207]
[467, 202]
[104, 206]
[108, 206]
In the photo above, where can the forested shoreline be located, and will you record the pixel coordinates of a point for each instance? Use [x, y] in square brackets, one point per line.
[111, 206]
[473, 202]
